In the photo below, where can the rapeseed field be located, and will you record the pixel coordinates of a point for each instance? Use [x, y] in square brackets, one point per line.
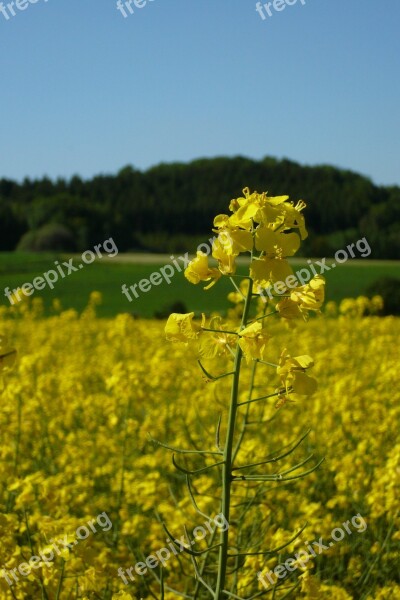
[77, 413]
[111, 461]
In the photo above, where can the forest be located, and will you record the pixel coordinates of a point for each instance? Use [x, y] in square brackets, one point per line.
[170, 207]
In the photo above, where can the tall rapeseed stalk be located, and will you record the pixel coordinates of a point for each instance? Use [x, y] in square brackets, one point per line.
[269, 230]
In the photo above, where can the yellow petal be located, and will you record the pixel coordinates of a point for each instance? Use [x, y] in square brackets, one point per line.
[267, 271]
[288, 309]
[226, 262]
[180, 327]
[284, 244]
[304, 361]
[198, 270]
[221, 221]
[244, 215]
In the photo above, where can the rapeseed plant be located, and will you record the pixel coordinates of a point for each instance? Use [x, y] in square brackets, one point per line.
[270, 230]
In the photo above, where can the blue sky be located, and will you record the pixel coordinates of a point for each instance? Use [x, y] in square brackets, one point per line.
[85, 90]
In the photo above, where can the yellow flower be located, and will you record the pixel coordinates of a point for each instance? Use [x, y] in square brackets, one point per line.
[253, 341]
[294, 218]
[311, 295]
[267, 271]
[96, 298]
[292, 372]
[288, 309]
[244, 215]
[229, 244]
[226, 262]
[245, 208]
[7, 357]
[363, 304]
[276, 244]
[216, 343]
[235, 241]
[376, 305]
[349, 308]
[310, 586]
[280, 215]
[180, 328]
[89, 582]
[331, 309]
[198, 270]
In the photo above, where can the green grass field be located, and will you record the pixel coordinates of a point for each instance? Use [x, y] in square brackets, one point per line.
[109, 274]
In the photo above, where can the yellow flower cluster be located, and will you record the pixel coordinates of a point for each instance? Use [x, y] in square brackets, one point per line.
[271, 229]
[355, 307]
[85, 394]
[7, 357]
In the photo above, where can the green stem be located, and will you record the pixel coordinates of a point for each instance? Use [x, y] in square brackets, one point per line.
[18, 436]
[60, 581]
[228, 455]
[220, 331]
[246, 416]
[117, 523]
[264, 317]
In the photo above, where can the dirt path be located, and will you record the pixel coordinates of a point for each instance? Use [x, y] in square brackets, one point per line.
[140, 258]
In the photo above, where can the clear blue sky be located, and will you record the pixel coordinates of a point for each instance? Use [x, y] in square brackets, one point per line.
[85, 90]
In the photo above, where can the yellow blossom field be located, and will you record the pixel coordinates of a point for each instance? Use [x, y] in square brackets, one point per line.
[84, 402]
[250, 456]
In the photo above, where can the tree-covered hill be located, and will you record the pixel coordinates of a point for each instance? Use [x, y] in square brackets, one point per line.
[171, 206]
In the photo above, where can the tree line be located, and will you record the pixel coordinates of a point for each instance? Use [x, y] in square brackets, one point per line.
[170, 207]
